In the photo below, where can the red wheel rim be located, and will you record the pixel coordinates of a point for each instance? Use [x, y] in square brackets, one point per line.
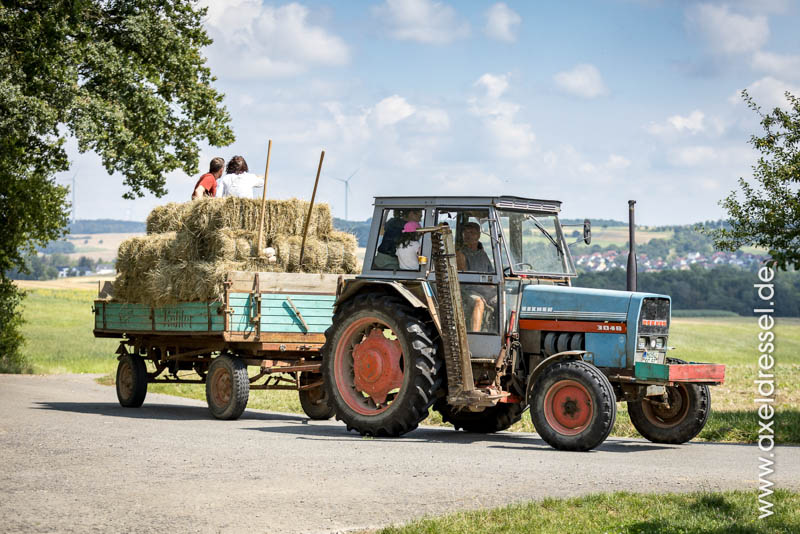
[221, 387]
[568, 407]
[368, 366]
[669, 417]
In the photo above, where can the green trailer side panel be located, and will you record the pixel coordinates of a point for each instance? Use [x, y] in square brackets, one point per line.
[651, 371]
[277, 314]
[190, 317]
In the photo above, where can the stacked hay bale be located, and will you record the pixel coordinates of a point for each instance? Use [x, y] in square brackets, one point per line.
[190, 247]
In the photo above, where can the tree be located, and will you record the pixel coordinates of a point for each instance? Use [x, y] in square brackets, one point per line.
[768, 215]
[126, 79]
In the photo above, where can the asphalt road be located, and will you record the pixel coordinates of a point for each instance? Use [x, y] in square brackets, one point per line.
[73, 460]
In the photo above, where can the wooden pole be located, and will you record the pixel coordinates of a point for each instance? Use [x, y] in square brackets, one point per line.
[310, 208]
[260, 248]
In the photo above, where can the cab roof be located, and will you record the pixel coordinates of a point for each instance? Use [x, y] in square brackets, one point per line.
[506, 202]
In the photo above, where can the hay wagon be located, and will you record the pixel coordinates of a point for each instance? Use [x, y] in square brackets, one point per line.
[264, 333]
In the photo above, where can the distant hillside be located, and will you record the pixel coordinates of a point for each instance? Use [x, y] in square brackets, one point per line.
[105, 226]
[596, 223]
[360, 229]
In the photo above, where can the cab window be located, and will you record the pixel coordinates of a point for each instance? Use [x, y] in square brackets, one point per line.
[398, 243]
[472, 238]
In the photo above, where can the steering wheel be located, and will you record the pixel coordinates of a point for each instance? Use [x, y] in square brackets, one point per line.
[523, 264]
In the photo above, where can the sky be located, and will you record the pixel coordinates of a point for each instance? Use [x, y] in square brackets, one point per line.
[590, 103]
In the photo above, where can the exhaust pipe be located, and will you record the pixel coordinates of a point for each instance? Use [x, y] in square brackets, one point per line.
[632, 249]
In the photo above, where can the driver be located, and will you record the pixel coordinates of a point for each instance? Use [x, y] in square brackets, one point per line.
[473, 258]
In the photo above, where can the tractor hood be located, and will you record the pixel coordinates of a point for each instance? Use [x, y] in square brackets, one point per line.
[576, 303]
[601, 312]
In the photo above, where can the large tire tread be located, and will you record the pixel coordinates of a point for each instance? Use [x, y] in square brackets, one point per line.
[411, 406]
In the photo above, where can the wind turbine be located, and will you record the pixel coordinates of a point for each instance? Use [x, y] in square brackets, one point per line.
[346, 183]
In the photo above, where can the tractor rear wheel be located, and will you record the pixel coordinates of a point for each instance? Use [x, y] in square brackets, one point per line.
[491, 420]
[131, 381]
[379, 366]
[573, 406]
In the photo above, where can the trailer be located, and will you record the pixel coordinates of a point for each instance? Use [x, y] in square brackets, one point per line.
[265, 332]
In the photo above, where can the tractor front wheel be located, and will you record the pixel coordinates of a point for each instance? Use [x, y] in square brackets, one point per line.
[573, 406]
[379, 366]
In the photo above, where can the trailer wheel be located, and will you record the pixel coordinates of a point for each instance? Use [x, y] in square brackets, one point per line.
[573, 406]
[379, 366]
[491, 420]
[315, 403]
[227, 387]
[131, 381]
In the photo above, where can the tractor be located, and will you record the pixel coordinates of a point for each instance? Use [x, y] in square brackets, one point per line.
[485, 324]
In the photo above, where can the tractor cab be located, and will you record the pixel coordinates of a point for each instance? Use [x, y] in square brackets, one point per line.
[501, 243]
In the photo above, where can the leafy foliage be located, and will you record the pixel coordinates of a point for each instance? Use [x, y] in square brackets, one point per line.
[125, 78]
[769, 213]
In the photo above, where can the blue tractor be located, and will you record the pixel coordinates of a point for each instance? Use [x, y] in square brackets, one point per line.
[466, 305]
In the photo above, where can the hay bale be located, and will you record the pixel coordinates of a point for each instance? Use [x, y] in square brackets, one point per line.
[282, 216]
[167, 218]
[190, 248]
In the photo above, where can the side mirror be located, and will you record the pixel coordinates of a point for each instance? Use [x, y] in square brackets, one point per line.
[587, 231]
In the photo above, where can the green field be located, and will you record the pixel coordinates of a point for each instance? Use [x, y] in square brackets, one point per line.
[59, 340]
[729, 512]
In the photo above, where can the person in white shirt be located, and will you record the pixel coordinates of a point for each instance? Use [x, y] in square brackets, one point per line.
[238, 182]
[408, 246]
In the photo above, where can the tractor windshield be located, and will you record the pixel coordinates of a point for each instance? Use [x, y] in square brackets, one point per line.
[534, 243]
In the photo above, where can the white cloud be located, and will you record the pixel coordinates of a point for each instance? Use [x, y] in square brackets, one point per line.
[495, 85]
[582, 80]
[617, 162]
[392, 110]
[424, 21]
[511, 139]
[693, 156]
[776, 64]
[768, 93]
[727, 32]
[252, 40]
[432, 119]
[692, 123]
[501, 23]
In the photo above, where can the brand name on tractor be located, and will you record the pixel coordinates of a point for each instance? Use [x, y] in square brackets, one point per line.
[537, 308]
[654, 322]
[609, 328]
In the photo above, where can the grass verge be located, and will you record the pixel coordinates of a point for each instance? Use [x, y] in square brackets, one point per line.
[624, 513]
[59, 340]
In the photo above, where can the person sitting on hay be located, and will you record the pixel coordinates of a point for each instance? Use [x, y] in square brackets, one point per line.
[238, 182]
[206, 186]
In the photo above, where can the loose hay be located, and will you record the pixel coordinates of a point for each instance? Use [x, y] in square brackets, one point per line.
[190, 248]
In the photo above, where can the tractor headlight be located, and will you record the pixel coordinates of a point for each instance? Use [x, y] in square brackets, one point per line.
[660, 343]
[652, 342]
[642, 343]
